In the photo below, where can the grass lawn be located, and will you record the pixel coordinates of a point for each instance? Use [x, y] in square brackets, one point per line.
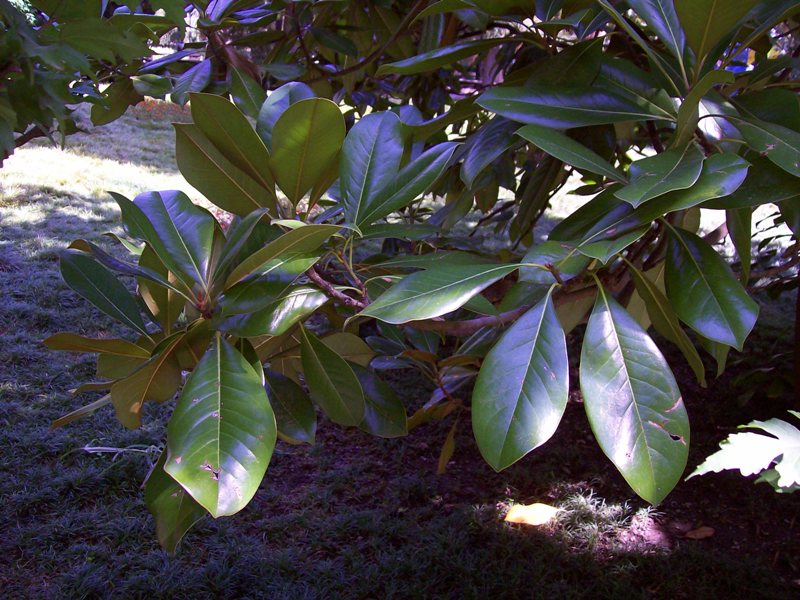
[352, 516]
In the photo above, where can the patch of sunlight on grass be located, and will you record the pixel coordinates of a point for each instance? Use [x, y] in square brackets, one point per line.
[66, 172]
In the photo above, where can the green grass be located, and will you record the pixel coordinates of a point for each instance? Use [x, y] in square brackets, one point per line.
[352, 517]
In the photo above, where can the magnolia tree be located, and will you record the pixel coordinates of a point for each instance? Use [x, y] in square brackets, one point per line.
[397, 120]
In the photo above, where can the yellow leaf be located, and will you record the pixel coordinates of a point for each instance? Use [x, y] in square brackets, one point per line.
[700, 533]
[532, 514]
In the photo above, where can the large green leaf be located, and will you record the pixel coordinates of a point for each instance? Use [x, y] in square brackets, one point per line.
[689, 111]
[707, 22]
[722, 175]
[222, 433]
[96, 283]
[705, 293]
[440, 57]
[570, 151]
[237, 237]
[276, 104]
[661, 17]
[306, 141]
[632, 401]
[371, 158]
[434, 292]
[331, 381]
[219, 180]
[232, 135]
[384, 413]
[75, 343]
[409, 184]
[666, 322]
[662, 173]
[173, 509]
[282, 313]
[485, 146]
[181, 233]
[294, 412]
[779, 144]
[521, 391]
[304, 239]
[157, 379]
[567, 106]
[195, 79]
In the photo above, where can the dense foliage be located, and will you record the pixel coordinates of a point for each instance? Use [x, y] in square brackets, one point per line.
[652, 108]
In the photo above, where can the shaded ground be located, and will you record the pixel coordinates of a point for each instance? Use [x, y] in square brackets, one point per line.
[353, 516]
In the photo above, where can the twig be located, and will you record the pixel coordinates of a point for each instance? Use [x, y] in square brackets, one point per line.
[331, 291]
[468, 327]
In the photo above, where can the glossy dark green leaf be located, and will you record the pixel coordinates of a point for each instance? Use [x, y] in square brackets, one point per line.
[384, 412]
[304, 239]
[521, 391]
[371, 157]
[247, 93]
[572, 152]
[654, 176]
[294, 411]
[661, 17]
[722, 175]
[118, 97]
[174, 510]
[306, 140]
[279, 315]
[633, 402]
[96, 283]
[485, 146]
[434, 292]
[409, 184]
[237, 237]
[565, 107]
[331, 381]
[440, 57]
[276, 104]
[222, 433]
[704, 292]
[707, 22]
[779, 144]
[765, 182]
[606, 249]
[666, 322]
[181, 233]
[230, 132]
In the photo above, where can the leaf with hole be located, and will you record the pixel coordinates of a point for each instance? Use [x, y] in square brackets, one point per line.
[222, 433]
[632, 401]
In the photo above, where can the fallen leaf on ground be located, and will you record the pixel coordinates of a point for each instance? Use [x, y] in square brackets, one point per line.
[700, 533]
[531, 514]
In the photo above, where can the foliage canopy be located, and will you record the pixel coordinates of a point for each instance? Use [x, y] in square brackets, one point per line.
[652, 109]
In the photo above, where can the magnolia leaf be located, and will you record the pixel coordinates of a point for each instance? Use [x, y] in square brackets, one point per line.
[632, 401]
[521, 391]
[222, 433]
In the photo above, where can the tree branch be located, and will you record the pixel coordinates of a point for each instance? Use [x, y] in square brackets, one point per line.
[331, 291]
[410, 16]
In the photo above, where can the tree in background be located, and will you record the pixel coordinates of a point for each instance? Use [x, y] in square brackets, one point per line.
[653, 109]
